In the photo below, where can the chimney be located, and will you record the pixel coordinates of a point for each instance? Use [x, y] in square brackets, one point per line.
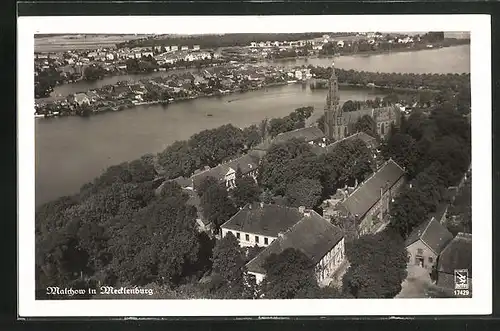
[249, 206]
[206, 168]
[307, 212]
[302, 209]
[356, 183]
[262, 205]
[280, 235]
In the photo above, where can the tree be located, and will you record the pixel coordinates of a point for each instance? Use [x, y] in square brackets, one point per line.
[377, 266]
[229, 261]
[215, 202]
[94, 72]
[304, 192]
[252, 136]
[367, 125]
[284, 163]
[402, 148]
[289, 275]
[179, 159]
[246, 191]
[321, 122]
[156, 245]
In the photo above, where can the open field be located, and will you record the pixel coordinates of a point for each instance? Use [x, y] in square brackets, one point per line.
[59, 43]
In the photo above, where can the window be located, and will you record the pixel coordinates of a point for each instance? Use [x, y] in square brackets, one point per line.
[238, 235]
[257, 239]
[420, 251]
[247, 237]
[266, 241]
[431, 259]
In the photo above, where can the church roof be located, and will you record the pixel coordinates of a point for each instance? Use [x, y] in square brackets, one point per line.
[312, 235]
[368, 193]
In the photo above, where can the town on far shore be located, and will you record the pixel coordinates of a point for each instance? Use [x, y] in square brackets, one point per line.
[371, 200]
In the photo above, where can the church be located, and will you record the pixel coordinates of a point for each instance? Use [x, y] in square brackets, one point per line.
[340, 124]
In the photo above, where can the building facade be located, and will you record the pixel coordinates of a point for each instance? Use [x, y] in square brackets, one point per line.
[312, 235]
[340, 124]
[426, 242]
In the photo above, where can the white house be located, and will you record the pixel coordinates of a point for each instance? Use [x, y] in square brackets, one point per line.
[312, 235]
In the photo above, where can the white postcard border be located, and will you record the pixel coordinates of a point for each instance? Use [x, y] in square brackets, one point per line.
[479, 27]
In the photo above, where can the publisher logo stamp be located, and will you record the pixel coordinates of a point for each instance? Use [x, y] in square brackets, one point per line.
[461, 279]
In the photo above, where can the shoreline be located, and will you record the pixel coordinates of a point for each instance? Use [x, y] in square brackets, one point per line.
[166, 103]
[360, 54]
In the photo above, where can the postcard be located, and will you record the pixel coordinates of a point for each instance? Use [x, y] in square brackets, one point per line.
[254, 166]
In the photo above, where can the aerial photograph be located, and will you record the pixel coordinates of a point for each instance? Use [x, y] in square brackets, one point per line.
[253, 166]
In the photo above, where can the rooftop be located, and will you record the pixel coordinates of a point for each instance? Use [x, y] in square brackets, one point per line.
[457, 254]
[308, 134]
[264, 219]
[367, 139]
[368, 193]
[433, 234]
[246, 163]
[312, 235]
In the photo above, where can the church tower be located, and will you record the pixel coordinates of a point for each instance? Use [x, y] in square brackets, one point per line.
[333, 112]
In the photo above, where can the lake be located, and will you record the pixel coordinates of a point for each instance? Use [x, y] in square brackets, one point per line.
[71, 151]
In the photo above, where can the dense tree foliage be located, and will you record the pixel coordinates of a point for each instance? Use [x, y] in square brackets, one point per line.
[246, 191]
[215, 202]
[289, 275]
[285, 163]
[229, 264]
[377, 266]
[94, 72]
[446, 82]
[296, 120]
[367, 125]
[304, 192]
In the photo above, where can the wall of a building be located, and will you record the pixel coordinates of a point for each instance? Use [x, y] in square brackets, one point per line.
[251, 238]
[331, 261]
[428, 255]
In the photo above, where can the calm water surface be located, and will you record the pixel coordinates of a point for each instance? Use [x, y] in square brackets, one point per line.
[71, 151]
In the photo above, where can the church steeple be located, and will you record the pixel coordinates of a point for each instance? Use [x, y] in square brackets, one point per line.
[332, 109]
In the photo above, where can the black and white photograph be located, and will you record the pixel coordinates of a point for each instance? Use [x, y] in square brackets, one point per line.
[254, 165]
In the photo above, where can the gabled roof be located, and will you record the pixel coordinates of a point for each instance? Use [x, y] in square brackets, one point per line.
[263, 219]
[457, 254]
[312, 235]
[368, 192]
[433, 234]
[246, 163]
[308, 134]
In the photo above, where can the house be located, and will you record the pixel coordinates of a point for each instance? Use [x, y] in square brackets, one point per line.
[457, 255]
[184, 48]
[368, 204]
[426, 242]
[174, 48]
[226, 172]
[110, 57]
[314, 236]
[260, 224]
[196, 47]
